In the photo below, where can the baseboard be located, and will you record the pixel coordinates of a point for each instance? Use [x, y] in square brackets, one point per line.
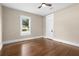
[67, 42]
[56, 39]
[63, 41]
[18, 40]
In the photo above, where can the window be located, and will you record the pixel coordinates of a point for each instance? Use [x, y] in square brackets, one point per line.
[25, 25]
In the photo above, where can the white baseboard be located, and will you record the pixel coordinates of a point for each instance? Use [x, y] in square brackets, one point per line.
[56, 39]
[67, 42]
[63, 41]
[18, 40]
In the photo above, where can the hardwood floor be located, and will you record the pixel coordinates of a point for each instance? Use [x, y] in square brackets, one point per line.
[39, 47]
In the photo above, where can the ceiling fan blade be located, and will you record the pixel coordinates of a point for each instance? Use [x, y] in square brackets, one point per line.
[39, 6]
[48, 4]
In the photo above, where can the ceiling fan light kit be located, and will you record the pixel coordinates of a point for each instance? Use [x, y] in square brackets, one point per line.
[45, 5]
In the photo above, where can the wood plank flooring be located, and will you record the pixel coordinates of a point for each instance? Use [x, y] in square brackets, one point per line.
[39, 47]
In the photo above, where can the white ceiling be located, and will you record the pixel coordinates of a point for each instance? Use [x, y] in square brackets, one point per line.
[33, 7]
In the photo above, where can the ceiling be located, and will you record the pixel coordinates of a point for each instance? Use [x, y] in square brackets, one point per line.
[33, 7]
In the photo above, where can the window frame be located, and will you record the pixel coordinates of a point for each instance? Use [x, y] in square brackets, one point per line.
[21, 32]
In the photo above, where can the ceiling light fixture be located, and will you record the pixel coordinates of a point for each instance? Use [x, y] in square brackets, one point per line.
[45, 5]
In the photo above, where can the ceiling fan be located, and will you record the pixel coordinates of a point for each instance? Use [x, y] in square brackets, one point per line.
[44, 5]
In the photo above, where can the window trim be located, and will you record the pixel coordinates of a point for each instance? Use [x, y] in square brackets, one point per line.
[25, 33]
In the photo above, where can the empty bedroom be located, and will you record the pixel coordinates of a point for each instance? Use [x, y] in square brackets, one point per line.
[39, 29]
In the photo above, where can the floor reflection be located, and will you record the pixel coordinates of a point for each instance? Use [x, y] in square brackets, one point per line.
[39, 47]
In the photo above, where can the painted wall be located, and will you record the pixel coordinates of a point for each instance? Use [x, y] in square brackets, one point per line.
[11, 24]
[0, 26]
[66, 24]
[44, 26]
